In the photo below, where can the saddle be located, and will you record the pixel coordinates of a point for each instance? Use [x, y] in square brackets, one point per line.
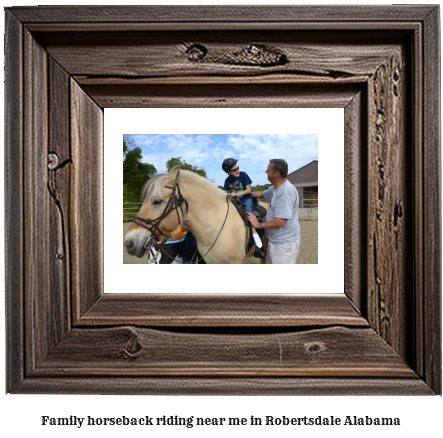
[260, 213]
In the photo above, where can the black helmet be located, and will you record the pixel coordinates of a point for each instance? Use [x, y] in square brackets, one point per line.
[228, 163]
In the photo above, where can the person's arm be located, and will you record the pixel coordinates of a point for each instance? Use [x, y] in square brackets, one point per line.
[227, 191]
[274, 223]
[257, 194]
[245, 192]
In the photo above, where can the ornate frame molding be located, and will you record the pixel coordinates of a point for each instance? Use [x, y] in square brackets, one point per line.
[64, 65]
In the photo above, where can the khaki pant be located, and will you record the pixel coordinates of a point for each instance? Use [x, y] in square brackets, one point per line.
[282, 253]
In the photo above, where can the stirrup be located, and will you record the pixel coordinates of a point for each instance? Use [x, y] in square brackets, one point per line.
[260, 253]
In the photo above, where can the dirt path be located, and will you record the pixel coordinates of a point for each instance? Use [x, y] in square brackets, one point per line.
[308, 246]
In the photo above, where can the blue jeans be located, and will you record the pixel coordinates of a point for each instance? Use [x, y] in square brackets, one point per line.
[247, 203]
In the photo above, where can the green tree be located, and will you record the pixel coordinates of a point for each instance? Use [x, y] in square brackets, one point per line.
[172, 162]
[260, 187]
[128, 144]
[135, 172]
[126, 190]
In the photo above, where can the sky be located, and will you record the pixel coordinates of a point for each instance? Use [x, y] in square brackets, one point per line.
[253, 151]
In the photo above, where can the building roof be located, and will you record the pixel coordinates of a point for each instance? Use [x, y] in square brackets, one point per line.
[306, 176]
[313, 161]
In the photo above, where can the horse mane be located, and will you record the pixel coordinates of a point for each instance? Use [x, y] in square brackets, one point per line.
[154, 186]
[197, 180]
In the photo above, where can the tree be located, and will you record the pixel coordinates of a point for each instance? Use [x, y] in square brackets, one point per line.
[172, 162]
[260, 187]
[128, 144]
[135, 172]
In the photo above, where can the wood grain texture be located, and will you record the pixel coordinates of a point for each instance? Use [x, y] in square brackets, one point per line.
[14, 238]
[72, 62]
[418, 358]
[86, 219]
[160, 54]
[59, 167]
[240, 310]
[226, 96]
[37, 254]
[354, 193]
[431, 331]
[388, 203]
[288, 386]
[226, 14]
[129, 351]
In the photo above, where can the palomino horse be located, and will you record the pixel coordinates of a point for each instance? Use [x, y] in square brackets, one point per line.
[185, 197]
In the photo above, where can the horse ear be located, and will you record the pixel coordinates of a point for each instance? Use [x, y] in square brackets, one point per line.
[173, 176]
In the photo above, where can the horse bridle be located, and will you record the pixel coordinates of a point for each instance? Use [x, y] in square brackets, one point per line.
[174, 202]
[152, 225]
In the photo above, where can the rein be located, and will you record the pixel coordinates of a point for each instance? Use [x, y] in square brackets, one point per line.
[226, 217]
[173, 203]
[152, 225]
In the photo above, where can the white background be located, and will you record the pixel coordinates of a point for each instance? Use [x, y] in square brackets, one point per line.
[21, 414]
[144, 278]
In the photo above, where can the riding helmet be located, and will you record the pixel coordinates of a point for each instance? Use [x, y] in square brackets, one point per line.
[228, 163]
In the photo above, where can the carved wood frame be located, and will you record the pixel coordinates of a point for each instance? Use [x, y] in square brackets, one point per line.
[65, 336]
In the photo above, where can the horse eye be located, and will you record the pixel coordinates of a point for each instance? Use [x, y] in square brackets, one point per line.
[157, 201]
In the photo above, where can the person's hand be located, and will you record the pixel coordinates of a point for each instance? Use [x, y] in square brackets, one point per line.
[253, 219]
[234, 194]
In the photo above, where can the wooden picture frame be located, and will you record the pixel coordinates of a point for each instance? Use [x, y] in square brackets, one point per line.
[65, 64]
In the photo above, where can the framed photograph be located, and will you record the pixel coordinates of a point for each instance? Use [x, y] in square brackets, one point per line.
[217, 221]
[380, 333]
[208, 150]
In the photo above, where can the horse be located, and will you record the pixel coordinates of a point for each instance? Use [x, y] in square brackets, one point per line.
[184, 197]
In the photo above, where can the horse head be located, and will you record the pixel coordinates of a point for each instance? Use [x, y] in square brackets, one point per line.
[160, 213]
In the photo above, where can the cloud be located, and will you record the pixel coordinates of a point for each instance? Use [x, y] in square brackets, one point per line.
[208, 151]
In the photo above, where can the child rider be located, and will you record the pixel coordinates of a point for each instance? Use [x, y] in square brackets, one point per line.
[239, 184]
